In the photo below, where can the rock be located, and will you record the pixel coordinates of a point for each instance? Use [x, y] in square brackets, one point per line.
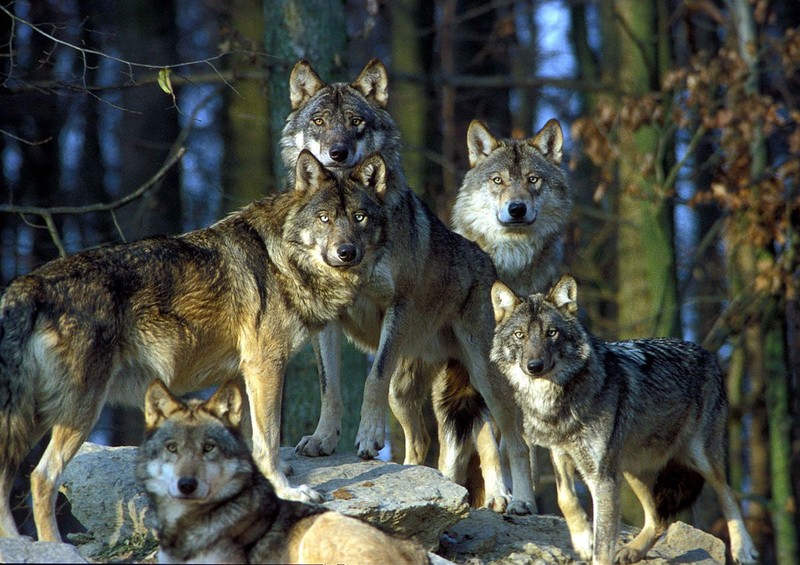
[412, 501]
[25, 550]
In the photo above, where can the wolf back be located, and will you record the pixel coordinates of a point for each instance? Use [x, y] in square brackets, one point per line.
[515, 203]
[213, 504]
[653, 411]
[196, 309]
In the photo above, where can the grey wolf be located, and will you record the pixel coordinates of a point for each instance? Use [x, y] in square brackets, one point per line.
[425, 309]
[515, 203]
[652, 411]
[198, 308]
[213, 505]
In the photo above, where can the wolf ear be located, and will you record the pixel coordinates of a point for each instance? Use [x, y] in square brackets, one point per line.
[373, 83]
[480, 142]
[304, 83]
[504, 302]
[564, 294]
[226, 404]
[372, 174]
[159, 404]
[549, 141]
[308, 171]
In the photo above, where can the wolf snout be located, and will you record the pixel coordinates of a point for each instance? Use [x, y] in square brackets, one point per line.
[534, 367]
[187, 485]
[339, 152]
[345, 255]
[517, 212]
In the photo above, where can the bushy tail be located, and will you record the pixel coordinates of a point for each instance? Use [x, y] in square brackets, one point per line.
[676, 489]
[17, 405]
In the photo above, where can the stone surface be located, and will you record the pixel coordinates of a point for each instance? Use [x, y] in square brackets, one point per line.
[25, 550]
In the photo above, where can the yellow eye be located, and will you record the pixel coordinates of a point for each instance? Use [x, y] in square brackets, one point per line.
[533, 179]
[497, 180]
[171, 446]
[317, 121]
[208, 447]
[519, 334]
[359, 217]
[355, 122]
[323, 217]
[552, 332]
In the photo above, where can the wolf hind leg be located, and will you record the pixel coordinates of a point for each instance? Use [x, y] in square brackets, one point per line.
[327, 346]
[635, 550]
[709, 463]
[498, 496]
[407, 392]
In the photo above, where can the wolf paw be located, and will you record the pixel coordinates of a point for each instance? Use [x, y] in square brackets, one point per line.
[302, 493]
[627, 554]
[314, 445]
[369, 440]
[746, 555]
[582, 544]
[498, 503]
[521, 508]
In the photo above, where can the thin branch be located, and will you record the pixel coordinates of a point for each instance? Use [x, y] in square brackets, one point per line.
[25, 141]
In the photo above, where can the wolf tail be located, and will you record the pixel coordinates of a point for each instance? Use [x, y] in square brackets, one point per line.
[677, 487]
[18, 312]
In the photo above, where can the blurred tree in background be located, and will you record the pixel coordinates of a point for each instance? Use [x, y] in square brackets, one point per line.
[682, 141]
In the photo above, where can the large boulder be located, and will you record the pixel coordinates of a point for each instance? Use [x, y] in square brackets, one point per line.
[25, 550]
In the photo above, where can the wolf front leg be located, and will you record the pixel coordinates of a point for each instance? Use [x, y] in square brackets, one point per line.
[372, 428]
[604, 487]
[580, 531]
[327, 346]
[263, 372]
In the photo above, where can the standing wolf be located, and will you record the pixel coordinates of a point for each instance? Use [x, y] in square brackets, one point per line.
[515, 204]
[195, 309]
[213, 505]
[426, 307]
[652, 411]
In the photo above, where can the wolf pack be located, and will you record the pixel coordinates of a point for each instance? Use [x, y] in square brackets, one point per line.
[473, 317]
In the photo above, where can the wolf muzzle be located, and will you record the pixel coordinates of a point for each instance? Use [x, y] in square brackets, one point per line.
[517, 213]
[345, 255]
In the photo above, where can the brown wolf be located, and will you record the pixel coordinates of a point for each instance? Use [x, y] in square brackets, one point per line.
[213, 505]
[426, 308]
[197, 309]
[652, 411]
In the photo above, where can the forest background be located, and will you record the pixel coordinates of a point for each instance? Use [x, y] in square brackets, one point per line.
[124, 118]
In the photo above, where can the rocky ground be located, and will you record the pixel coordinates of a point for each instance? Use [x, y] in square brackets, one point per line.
[412, 501]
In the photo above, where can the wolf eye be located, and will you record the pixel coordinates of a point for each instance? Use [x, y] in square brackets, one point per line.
[171, 446]
[355, 122]
[552, 332]
[209, 446]
[359, 217]
[519, 334]
[317, 121]
[497, 180]
[533, 179]
[323, 217]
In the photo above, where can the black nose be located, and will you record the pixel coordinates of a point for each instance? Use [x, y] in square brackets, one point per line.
[517, 209]
[338, 152]
[535, 366]
[346, 252]
[187, 485]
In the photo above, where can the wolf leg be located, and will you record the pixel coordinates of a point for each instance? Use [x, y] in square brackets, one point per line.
[327, 346]
[634, 551]
[406, 396]
[372, 428]
[711, 467]
[497, 495]
[263, 378]
[580, 530]
[8, 528]
[605, 502]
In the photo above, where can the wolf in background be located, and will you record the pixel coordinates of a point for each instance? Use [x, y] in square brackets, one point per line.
[197, 309]
[515, 203]
[426, 307]
[213, 505]
[652, 411]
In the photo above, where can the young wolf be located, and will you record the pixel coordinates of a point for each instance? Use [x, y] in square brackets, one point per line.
[651, 410]
[213, 505]
[196, 308]
[515, 204]
[425, 309]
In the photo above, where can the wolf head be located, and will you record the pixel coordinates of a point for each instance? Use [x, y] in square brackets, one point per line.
[340, 219]
[339, 123]
[538, 337]
[519, 183]
[193, 453]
